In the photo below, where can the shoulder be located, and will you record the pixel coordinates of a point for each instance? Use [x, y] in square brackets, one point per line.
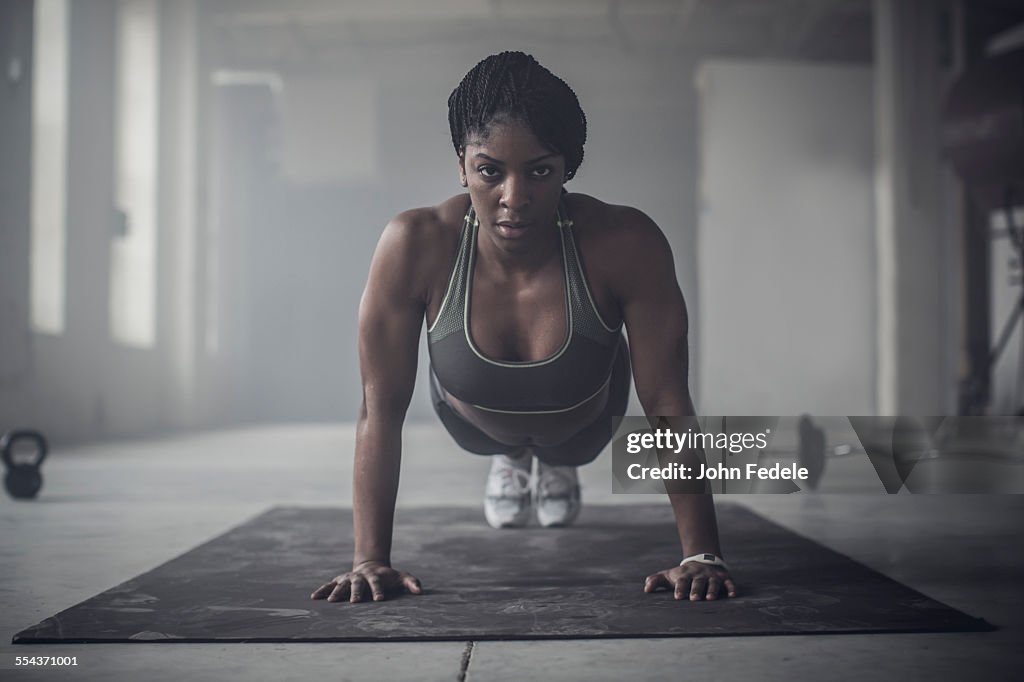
[418, 243]
[426, 228]
[424, 235]
[621, 238]
[624, 226]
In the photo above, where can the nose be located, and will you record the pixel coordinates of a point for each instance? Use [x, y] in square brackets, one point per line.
[515, 193]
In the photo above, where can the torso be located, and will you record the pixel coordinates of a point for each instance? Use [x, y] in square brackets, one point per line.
[524, 319]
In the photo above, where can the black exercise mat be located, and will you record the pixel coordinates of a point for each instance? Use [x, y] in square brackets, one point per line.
[252, 584]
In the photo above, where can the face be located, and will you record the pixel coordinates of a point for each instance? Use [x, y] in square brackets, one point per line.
[514, 181]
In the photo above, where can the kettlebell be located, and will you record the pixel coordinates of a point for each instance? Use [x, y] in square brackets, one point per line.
[23, 479]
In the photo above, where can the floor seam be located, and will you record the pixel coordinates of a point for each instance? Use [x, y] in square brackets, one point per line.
[467, 655]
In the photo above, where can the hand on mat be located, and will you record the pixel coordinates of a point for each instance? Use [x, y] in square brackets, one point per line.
[695, 581]
[368, 580]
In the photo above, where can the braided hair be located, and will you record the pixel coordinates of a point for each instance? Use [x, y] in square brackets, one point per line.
[515, 86]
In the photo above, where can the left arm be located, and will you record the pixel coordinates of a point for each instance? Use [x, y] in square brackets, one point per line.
[655, 315]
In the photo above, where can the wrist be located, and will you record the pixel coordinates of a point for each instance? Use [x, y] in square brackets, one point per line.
[360, 562]
[707, 558]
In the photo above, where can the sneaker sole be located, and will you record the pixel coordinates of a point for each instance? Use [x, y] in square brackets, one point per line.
[558, 523]
[518, 521]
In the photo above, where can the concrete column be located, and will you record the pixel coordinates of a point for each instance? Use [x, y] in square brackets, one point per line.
[178, 216]
[15, 212]
[910, 228]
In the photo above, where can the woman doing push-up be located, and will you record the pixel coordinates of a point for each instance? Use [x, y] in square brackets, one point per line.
[525, 291]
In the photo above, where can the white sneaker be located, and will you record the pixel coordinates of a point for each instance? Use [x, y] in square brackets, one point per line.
[507, 495]
[558, 495]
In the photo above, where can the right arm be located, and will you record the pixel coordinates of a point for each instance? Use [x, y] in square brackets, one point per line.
[390, 317]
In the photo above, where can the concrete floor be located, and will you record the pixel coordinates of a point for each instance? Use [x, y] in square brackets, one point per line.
[109, 512]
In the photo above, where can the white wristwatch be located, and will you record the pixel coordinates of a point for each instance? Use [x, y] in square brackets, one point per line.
[705, 559]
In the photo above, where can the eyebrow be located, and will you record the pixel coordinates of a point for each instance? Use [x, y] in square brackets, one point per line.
[529, 163]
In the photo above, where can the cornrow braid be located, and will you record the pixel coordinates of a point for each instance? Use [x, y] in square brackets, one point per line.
[516, 86]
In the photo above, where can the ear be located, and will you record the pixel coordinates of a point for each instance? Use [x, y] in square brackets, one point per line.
[462, 169]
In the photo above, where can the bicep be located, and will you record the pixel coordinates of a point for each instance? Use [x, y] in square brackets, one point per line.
[656, 320]
[390, 318]
[659, 350]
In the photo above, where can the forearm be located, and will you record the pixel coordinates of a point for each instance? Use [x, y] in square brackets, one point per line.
[692, 503]
[696, 523]
[693, 507]
[375, 478]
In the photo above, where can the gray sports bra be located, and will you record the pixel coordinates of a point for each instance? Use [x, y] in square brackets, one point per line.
[576, 372]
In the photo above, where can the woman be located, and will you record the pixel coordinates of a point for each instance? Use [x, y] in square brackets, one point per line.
[524, 289]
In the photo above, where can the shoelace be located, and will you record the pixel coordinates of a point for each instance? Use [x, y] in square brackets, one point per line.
[555, 481]
[515, 481]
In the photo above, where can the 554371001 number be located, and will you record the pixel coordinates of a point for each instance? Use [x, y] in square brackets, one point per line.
[45, 660]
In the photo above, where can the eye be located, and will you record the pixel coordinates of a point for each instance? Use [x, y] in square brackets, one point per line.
[542, 171]
[488, 171]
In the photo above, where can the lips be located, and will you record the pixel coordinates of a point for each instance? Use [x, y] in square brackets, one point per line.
[511, 230]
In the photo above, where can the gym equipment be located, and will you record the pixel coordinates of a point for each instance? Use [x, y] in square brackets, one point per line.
[253, 583]
[23, 478]
[811, 450]
[983, 137]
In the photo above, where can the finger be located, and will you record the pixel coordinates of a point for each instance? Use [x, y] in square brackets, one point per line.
[730, 588]
[375, 588]
[682, 583]
[656, 581]
[358, 587]
[714, 586]
[322, 591]
[411, 583]
[340, 591]
[699, 587]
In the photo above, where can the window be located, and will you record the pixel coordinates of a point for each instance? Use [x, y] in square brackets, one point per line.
[133, 248]
[49, 166]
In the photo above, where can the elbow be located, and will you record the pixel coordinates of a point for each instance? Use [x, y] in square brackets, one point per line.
[668, 406]
[391, 411]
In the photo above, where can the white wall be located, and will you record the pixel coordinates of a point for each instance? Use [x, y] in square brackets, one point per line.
[785, 254]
